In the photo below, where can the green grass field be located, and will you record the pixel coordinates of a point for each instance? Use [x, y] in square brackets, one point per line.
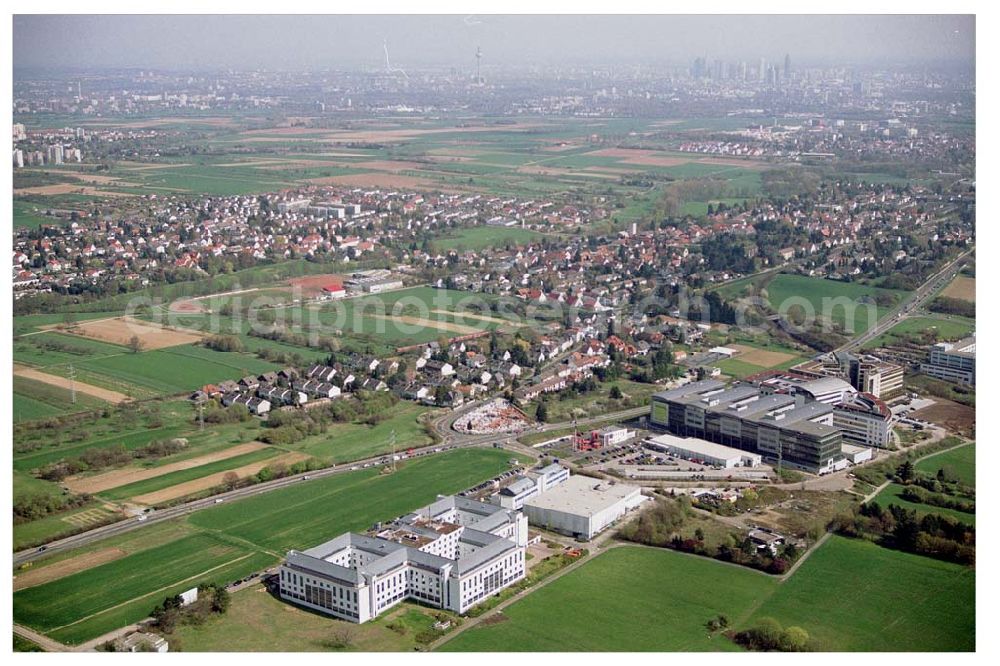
[849, 595]
[60, 524]
[228, 541]
[950, 328]
[35, 400]
[961, 462]
[70, 599]
[177, 369]
[353, 441]
[891, 495]
[627, 599]
[477, 238]
[855, 596]
[783, 288]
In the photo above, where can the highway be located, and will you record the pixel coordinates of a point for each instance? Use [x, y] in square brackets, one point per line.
[912, 305]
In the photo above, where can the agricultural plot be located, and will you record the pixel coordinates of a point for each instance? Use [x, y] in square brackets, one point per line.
[962, 288]
[77, 597]
[47, 349]
[63, 390]
[178, 369]
[177, 488]
[639, 599]
[61, 524]
[628, 599]
[128, 476]
[750, 360]
[34, 399]
[231, 540]
[307, 514]
[842, 303]
[406, 316]
[121, 331]
[31, 215]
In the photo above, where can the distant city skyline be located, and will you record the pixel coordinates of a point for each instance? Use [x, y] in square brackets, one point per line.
[332, 41]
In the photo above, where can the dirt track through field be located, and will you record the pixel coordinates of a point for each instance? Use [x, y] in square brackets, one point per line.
[122, 477]
[63, 382]
[33, 577]
[446, 326]
[471, 315]
[213, 480]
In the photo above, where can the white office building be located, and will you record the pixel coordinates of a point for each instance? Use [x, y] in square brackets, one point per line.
[952, 361]
[582, 506]
[865, 421]
[534, 482]
[451, 554]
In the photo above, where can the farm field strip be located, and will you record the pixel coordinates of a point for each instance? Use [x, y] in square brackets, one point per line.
[298, 516]
[635, 598]
[214, 479]
[120, 330]
[64, 382]
[121, 477]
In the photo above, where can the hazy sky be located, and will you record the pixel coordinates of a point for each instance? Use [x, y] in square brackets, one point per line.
[293, 42]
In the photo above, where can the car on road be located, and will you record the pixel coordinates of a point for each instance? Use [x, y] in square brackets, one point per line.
[218, 501]
[306, 477]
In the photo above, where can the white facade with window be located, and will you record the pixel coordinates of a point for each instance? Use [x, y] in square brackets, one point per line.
[451, 554]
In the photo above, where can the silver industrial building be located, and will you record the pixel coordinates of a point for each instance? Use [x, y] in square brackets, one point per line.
[582, 506]
[702, 451]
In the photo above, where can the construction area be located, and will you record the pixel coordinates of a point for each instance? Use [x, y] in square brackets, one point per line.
[497, 416]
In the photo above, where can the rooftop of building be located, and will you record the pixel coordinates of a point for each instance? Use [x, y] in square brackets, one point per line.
[700, 446]
[583, 495]
[690, 388]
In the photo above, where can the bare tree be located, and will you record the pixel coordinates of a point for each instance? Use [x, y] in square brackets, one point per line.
[341, 636]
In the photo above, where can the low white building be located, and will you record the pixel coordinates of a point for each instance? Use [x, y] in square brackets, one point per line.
[451, 554]
[534, 482]
[856, 454]
[614, 435]
[703, 452]
[582, 506]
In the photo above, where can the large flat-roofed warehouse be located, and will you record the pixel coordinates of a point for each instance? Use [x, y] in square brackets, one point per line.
[701, 451]
[582, 506]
